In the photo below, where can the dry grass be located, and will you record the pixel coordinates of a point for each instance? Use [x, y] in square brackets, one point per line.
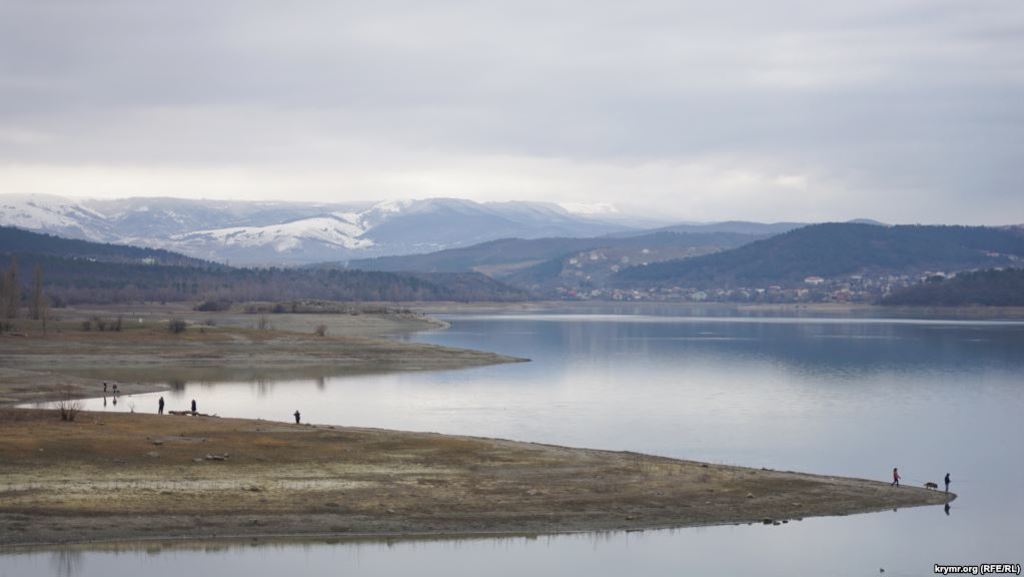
[146, 356]
[118, 476]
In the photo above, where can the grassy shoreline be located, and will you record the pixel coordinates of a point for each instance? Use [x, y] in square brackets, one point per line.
[144, 356]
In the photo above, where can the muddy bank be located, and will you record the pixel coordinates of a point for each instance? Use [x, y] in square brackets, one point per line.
[113, 477]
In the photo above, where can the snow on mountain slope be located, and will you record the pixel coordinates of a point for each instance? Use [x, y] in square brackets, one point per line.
[270, 233]
[590, 209]
[52, 214]
[331, 229]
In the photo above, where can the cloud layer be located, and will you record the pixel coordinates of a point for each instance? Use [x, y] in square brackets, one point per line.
[906, 111]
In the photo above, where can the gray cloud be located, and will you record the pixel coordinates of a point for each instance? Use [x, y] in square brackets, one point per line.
[903, 111]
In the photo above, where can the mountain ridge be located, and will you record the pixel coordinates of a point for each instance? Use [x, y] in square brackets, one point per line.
[283, 233]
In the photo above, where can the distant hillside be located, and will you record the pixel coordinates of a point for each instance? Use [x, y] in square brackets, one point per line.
[76, 271]
[835, 250]
[502, 257]
[507, 251]
[987, 287]
[589, 271]
[14, 240]
[554, 267]
[730, 226]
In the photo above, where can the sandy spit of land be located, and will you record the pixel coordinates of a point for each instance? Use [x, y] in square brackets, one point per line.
[118, 477]
[144, 356]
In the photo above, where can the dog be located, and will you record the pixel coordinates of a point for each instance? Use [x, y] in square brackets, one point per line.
[930, 485]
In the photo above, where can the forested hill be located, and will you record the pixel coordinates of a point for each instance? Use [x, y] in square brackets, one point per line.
[16, 240]
[836, 250]
[83, 281]
[987, 287]
[77, 271]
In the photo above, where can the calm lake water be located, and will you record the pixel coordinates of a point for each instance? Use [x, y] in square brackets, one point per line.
[836, 396]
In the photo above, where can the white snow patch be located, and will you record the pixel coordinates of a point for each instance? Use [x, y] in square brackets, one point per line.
[285, 237]
[589, 208]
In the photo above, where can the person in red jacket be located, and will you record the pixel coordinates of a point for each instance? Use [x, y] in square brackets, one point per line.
[895, 477]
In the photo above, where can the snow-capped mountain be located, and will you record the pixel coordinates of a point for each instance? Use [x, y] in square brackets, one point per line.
[294, 233]
[52, 214]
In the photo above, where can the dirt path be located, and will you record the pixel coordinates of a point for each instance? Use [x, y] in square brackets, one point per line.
[121, 476]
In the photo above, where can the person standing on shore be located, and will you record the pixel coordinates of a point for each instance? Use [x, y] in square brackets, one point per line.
[193, 407]
[297, 417]
[160, 404]
[895, 477]
[947, 482]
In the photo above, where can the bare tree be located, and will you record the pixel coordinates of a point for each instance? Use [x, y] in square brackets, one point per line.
[3, 293]
[262, 323]
[44, 314]
[36, 303]
[12, 292]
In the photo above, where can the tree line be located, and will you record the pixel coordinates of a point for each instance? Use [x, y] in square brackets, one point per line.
[72, 281]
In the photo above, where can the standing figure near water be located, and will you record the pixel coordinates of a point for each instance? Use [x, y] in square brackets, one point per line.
[193, 407]
[160, 404]
[895, 477]
[947, 482]
[297, 416]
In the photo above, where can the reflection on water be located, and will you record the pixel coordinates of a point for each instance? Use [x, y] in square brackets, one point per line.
[851, 397]
[66, 562]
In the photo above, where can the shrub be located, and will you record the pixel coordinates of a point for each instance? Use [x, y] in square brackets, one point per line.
[214, 305]
[176, 326]
[321, 330]
[69, 407]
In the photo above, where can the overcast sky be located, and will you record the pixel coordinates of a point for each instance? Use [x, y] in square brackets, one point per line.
[904, 111]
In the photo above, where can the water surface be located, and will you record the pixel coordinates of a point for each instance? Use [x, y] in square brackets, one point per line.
[837, 396]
